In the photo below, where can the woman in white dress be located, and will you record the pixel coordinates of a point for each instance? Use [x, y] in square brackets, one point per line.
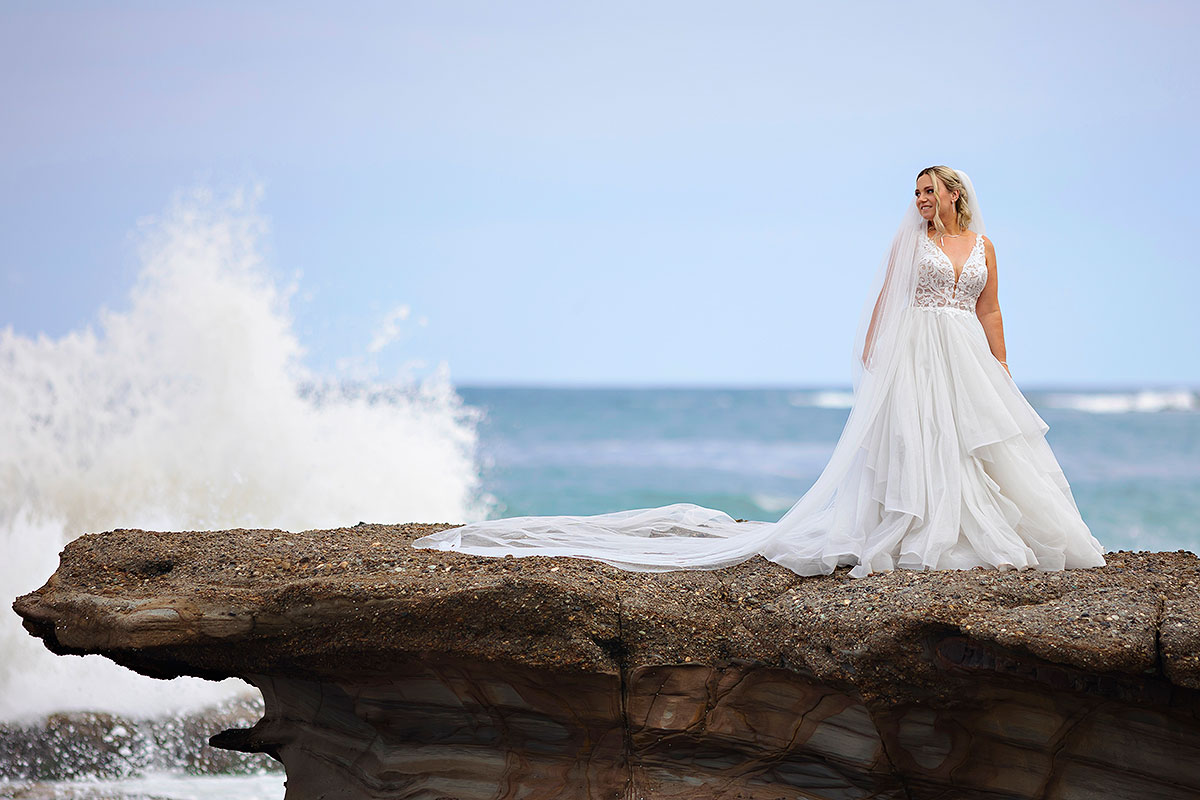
[942, 463]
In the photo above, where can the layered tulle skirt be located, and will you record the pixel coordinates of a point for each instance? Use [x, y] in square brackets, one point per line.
[954, 471]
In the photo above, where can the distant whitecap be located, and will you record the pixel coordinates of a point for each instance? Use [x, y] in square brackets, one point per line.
[1145, 401]
[821, 399]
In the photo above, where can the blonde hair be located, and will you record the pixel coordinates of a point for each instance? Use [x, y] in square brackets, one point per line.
[944, 175]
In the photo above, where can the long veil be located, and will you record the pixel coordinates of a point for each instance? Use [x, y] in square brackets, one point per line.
[823, 530]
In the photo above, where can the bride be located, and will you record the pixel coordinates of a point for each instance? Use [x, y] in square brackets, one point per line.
[942, 463]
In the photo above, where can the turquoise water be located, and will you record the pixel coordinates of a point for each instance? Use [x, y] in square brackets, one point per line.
[1132, 456]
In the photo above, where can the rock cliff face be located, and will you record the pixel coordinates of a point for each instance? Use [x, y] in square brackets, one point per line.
[390, 672]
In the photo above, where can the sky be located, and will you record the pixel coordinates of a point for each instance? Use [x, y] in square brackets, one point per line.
[618, 193]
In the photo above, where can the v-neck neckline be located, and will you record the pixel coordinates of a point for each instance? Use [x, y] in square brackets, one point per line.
[957, 272]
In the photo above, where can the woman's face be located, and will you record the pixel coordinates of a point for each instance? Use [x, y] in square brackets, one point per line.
[925, 198]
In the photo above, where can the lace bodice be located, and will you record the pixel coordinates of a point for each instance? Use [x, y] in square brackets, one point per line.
[935, 277]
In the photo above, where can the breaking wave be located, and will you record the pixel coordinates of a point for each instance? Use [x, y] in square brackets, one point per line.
[191, 409]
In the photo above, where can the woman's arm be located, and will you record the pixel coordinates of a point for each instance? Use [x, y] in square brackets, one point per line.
[987, 308]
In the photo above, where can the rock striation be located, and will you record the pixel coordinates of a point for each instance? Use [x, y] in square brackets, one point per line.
[389, 672]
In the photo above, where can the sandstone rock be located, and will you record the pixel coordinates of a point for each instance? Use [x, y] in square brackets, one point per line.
[389, 672]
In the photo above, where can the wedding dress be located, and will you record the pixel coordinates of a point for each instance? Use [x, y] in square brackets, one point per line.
[942, 464]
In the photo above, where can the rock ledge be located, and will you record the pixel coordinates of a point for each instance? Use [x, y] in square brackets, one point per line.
[390, 672]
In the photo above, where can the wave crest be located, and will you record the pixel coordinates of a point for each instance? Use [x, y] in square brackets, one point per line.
[192, 409]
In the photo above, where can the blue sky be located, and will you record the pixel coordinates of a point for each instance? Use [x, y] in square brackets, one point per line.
[618, 193]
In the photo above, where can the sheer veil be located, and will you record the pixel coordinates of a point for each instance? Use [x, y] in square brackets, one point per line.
[815, 536]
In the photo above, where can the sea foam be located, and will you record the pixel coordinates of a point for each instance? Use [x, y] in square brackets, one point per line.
[191, 409]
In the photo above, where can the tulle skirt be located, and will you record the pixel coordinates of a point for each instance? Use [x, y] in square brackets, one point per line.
[952, 471]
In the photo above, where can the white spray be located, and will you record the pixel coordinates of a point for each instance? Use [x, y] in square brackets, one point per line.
[191, 410]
